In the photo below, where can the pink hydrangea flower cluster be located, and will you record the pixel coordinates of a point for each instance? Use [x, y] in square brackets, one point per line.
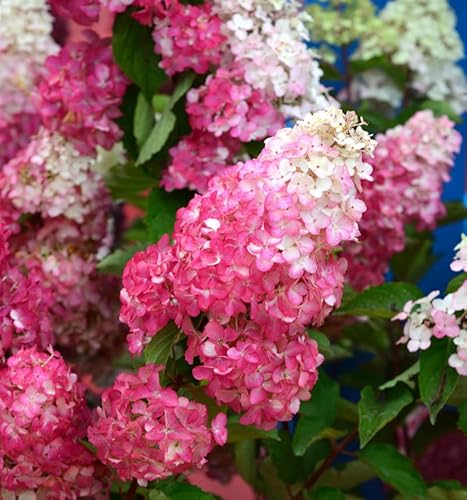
[198, 157]
[188, 37]
[80, 94]
[43, 416]
[85, 303]
[147, 432]
[25, 318]
[67, 231]
[84, 12]
[226, 104]
[432, 316]
[410, 164]
[255, 256]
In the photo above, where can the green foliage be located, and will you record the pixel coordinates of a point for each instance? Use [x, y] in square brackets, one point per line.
[157, 137]
[455, 211]
[127, 182]
[143, 119]
[160, 347]
[317, 414]
[133, 50]
[436, 380]
[376, 410]
[326, 493]
[177, 490]
[245, 459]
[417, 257]
[290, 467]
[162, 210]
[382, 301]
[239, 432]
[393, 468]
[115, 262]
[456, 283]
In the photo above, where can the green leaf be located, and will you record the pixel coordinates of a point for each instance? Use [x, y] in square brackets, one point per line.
[436, 380]
[347, 477]
[460, 392]
[316, 414]
[125, 182]
[377, 410]
[441, 108]
[455, 211]
[404, 377]
[442, 492]
[382, 301]
[367, 334]
[158, 350]
[245, 460]
[456, 283]
[462, 422]
[290, 467]
[271, 484]
[133, 50]
[393, 468]
[326, 493]
[177, 490]
[182, 88]
[417, 257]
[157, 138]
[143, 119]
[115, 262]
[238, 432]
[162, 210]
[320, 338]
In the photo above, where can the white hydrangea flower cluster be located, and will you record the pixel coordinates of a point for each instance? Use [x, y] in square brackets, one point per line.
[375, 84]
[26, 28]
[432, 316]
[267, 38]
[422, 36]
[25, 42]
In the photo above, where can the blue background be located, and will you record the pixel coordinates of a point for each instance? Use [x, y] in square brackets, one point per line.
[447, 237]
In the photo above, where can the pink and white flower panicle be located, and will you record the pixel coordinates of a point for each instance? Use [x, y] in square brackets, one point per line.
[255, 255]
[410, 165]
[432, 316]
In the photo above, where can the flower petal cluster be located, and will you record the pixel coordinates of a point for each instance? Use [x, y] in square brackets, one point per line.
[52, 178]
[423, 37]
[85, 303]
[410, 164]
[43, 416]
[52, 284]
[84, 12]
[432, 316]
[460, 259]
[25, 42]
[198, 157]
[188, 37]
[226, 104]
[25, 318]
[26, 28]
[254, 255]
[80, 94]
[268, 40]
[147, 432]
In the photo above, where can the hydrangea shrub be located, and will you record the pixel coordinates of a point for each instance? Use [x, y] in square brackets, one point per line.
[206, 214]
